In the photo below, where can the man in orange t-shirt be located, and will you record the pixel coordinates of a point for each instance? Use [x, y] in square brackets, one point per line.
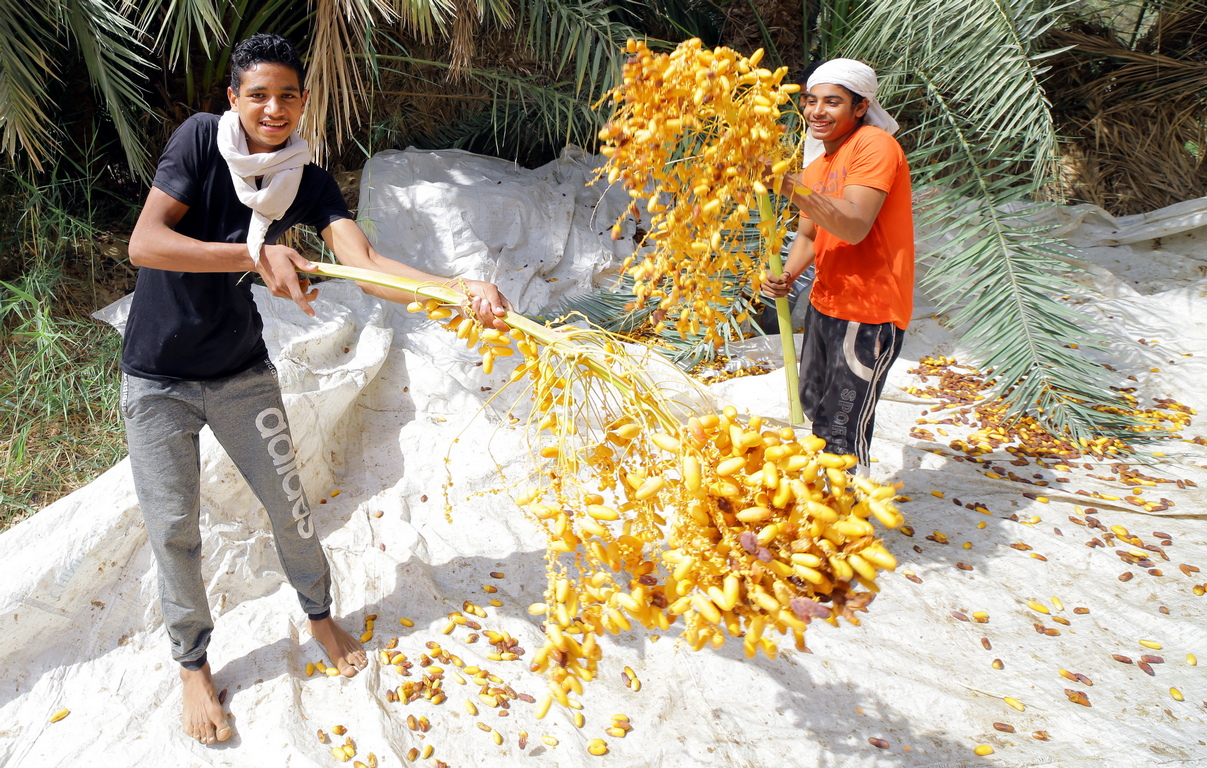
[856, 226]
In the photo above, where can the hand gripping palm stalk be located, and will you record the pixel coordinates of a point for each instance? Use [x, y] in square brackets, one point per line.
[657, 507]
[692, 134]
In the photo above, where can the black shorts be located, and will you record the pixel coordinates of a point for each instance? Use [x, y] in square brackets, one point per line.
[843, 367]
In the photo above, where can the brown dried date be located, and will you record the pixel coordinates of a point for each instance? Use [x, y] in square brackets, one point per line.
[1077, 697]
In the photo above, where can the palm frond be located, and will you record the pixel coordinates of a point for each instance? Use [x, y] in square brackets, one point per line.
[27, 53]
[553, 111]
[829, 26]
[342, 43]
[340, 31]
[111, 48]
[617, 309]
[424, 18]
[468, 21]
[1129, 108]
[983, 141]
[178, 25]
[678, 19]
[579, 43]
[498, 12]
[242, 19]
[773, 53]
[613, 309]
[985, 54]
[522, 111]
[578, 37]
[1148, 78]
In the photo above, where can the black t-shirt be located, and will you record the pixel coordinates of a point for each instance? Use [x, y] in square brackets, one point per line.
[204, 325]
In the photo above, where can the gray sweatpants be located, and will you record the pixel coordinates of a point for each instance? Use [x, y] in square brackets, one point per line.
[245, 412]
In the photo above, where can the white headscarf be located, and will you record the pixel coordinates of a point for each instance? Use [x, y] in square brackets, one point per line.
[854, 76]
[282, 172]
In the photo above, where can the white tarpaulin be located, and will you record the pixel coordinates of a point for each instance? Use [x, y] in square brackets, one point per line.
[386, 408]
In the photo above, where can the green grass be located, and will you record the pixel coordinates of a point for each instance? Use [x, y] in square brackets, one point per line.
[60, 425]
[59, 420]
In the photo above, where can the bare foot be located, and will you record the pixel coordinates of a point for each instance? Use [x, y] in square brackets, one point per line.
[344, 650]
[203, 718]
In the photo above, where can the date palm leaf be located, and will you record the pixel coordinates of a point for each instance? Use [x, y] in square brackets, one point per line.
[966, 77]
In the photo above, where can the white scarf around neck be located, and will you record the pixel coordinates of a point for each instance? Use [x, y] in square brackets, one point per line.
[281, 171]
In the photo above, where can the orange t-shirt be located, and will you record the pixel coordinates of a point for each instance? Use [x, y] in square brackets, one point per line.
[871, 281]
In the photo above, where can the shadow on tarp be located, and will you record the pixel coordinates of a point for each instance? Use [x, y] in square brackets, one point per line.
[426, 593]
[941, 526]
[859, 715]
[840, 717]
[963, 484]
[850, 716]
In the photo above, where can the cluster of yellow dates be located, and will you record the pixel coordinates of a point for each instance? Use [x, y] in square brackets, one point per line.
[492, 343]
[741, 529]
[693, 135]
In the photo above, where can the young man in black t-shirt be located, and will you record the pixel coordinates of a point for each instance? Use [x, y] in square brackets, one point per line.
[225, 190]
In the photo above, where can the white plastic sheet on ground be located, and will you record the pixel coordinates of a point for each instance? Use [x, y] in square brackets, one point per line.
[386, 408]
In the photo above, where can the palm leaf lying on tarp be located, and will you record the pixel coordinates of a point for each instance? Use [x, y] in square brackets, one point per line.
[983, 141]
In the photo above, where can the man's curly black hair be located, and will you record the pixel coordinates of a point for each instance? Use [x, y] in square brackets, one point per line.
[262, 48]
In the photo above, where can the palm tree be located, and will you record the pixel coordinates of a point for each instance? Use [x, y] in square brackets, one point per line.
[970, 80]
[530, 80]
[570, 50]
[36, 40]
[967, 79]
[1128, 90]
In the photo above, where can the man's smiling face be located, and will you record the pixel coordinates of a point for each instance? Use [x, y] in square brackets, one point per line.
[270, 102]
[831, 114]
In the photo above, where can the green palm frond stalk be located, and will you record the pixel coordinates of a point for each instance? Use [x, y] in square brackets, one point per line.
[591, 359]
[783, 313]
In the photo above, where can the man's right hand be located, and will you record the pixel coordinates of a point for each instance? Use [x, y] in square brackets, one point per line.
[279, 265]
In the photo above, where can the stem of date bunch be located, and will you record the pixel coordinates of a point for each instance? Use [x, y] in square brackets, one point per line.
[783, 312]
